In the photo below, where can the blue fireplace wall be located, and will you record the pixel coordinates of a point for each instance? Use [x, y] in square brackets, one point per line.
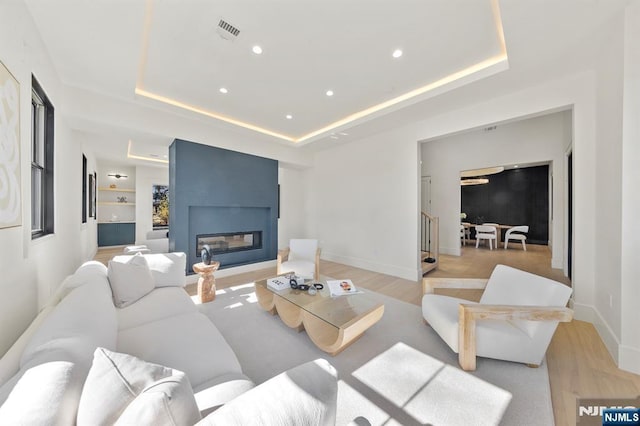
[213, 190]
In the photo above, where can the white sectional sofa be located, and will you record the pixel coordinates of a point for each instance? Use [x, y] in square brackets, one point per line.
[42, 377]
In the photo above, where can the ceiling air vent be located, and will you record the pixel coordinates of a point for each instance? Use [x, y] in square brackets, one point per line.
[227, 31]
[490, 128]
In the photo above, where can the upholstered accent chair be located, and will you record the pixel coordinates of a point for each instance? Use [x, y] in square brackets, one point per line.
[514, 320]
[486, 232]
[517, 233]
[302, 257]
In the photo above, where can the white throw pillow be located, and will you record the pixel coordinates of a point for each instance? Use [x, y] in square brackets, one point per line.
[168, 269]
[130, 279]
[125, 389]
[43, 396]
[167, 402]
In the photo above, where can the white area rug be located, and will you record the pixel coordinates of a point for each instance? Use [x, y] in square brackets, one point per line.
[398, 372]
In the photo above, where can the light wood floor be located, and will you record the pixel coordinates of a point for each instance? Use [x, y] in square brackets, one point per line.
[579, 364]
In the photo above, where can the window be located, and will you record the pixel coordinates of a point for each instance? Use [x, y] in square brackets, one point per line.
[160, 207]
[41, 162]
[84, 189]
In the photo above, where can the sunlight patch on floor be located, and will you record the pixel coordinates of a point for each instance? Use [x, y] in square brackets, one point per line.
[361, 405]
[431, 391]
[246, 298]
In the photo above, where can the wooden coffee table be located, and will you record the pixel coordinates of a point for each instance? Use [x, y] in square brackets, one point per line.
[332, 323]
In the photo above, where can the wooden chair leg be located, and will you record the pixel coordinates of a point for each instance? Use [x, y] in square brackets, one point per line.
[466, 340]
[524, 246]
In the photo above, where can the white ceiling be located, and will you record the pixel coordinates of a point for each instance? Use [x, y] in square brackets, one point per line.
[170, 49]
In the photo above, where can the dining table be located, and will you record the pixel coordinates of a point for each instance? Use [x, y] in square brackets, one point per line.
[499, 228]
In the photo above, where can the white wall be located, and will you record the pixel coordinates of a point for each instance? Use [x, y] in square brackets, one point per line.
[293, 205]
[629, 357]
[31, 270]
[365, 203]
[146, 177]
[539, 139]
[608, 189]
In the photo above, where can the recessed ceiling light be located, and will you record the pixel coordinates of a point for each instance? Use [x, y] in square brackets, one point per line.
[289, 116]
[257, 50]
[332, 136]
[224, 90]
[329, 92]
[343, 134]
[516, 166]
[397, 53]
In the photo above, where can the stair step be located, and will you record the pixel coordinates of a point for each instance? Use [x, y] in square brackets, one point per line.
[426, 266]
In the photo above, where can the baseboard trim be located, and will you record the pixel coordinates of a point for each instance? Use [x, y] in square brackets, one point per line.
[449, 251]
[629, 359]
[193, 278]
[406, 273]
[590, 314]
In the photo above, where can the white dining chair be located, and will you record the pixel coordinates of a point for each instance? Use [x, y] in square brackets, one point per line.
[486, 232]
[517, 233]
[467, 230]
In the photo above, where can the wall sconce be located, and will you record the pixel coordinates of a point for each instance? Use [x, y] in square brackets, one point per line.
[117, 175]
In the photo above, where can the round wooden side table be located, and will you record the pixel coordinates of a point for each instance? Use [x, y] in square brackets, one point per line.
[206, 282]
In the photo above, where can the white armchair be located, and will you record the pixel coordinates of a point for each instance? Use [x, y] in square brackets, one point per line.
[516, 233]
[302, 257]
[514, 320]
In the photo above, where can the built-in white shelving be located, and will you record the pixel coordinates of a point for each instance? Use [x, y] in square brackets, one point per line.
[112, 208]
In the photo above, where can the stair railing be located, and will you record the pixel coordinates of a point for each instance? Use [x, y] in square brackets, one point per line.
[429, 241]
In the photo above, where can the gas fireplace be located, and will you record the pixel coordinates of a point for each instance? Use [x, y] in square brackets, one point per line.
[229, 242]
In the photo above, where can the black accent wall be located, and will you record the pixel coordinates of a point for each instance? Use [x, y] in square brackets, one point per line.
[513, 197]
[214, 190]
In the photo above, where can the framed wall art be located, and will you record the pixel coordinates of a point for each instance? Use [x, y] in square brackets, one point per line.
[10, 193]
[92, 195]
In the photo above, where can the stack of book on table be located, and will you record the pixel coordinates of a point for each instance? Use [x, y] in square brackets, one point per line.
[341, 288]
[278, 283]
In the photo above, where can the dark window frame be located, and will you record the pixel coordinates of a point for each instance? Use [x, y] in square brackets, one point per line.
[84, 189]
[42, 123]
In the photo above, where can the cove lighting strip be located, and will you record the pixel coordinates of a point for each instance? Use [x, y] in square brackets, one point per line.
[142, 157]
[487, 63]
